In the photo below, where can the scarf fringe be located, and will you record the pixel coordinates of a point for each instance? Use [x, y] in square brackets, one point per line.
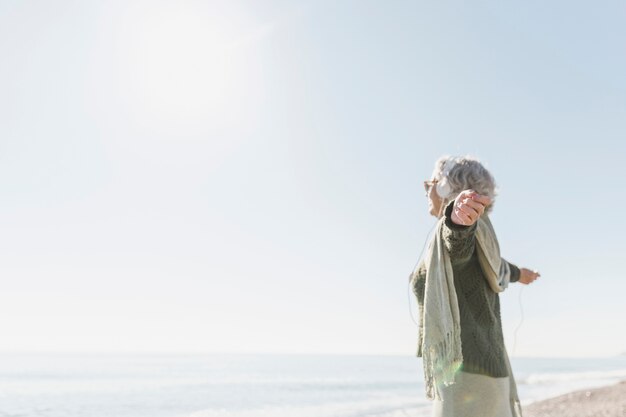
[516, 407]
[441, 363]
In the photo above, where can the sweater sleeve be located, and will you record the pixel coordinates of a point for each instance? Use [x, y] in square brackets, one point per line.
[459, 240]
[417, 282]
[515, 273]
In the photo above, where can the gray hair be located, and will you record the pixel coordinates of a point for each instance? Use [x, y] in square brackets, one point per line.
[463, 173]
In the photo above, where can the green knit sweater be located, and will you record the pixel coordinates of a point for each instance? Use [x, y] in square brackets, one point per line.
[481, 326]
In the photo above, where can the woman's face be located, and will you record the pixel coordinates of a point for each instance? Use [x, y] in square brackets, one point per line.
[434, 201]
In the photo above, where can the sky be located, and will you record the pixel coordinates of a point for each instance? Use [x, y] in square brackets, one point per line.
[246, 177]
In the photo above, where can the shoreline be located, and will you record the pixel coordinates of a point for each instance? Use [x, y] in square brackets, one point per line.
[606, 401]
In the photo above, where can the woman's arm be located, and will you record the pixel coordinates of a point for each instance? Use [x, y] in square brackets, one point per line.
[459, 240]
[459, 237]
[461, 216]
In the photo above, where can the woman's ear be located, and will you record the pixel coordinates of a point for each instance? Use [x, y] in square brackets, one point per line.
[443, 185]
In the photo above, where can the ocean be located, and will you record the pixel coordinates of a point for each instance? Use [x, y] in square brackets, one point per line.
[116, 385]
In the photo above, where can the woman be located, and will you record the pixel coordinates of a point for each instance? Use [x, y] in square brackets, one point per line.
[466, 366]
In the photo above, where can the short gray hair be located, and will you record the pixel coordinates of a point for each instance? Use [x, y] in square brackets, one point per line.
[463, 173]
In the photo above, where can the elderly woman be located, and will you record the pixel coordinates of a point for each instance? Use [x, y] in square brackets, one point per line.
[466, 366]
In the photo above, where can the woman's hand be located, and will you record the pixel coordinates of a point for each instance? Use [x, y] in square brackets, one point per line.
[468, 207]
[526, 276]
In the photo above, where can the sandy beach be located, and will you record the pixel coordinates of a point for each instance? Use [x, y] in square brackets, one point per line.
[609, 401]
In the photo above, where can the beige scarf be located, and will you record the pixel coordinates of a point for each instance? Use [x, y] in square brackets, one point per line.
[441, 341]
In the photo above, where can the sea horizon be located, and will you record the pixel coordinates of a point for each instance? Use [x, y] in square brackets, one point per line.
[267, 353]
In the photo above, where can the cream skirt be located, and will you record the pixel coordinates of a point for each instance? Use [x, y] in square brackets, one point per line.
[474, 395]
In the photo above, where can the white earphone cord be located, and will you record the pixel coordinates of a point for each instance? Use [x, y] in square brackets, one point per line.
[521, 309]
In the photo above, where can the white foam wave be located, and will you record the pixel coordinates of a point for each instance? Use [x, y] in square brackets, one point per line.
[385, 406]
[310, 381]
[549, 378]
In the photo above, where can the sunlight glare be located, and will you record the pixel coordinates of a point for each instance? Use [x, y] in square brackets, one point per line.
[185, 75]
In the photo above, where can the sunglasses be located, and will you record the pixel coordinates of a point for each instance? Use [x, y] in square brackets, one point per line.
[428, 184]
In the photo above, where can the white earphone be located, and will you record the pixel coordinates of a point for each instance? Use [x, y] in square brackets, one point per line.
[443, 186]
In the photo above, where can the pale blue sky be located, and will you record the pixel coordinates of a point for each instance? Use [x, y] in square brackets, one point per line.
[231, 176]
